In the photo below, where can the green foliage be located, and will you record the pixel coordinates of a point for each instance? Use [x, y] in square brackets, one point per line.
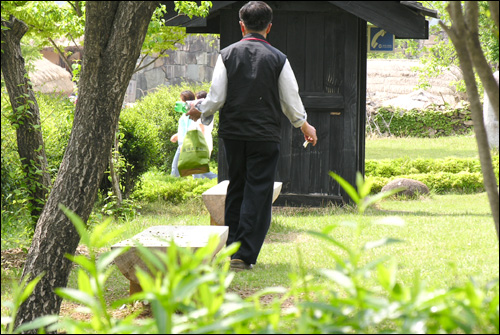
[157, 186]
[362, 298]
[442, 55]
[56, 115]
[360, 195]
[20, 293]
[191, 8]
[160, 38]
[440, 175]
[188, 291]
[125, 210]
[49, 23]
[14, 194]
[92, 276]
[441, 182]
[420, 123]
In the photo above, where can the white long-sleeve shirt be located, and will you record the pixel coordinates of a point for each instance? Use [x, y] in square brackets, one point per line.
[291, 103]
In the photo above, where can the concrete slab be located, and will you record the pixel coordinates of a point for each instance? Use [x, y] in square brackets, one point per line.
[159, 238]
[215, 199]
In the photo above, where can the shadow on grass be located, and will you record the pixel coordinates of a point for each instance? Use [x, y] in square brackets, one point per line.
[385, 212]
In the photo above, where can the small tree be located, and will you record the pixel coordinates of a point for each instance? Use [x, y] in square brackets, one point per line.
[464, 34]
[25, 116]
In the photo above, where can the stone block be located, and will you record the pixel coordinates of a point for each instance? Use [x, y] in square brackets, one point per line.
[154, 78]
[191, 58]
[160, 238]
[215, 199]
[196, 45]
[179, 71]
[192, 72]
[201, 58]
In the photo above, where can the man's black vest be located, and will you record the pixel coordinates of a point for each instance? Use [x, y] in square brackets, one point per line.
[252, 111]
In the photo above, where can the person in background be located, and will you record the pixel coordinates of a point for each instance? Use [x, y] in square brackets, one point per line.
[182, 129]
[253, 83]
[207, 133]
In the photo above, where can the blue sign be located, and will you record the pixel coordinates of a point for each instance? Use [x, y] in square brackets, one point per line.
[379, 40]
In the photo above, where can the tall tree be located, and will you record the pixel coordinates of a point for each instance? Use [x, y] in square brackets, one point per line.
[464, 34]
[114, 34]
[25, 115]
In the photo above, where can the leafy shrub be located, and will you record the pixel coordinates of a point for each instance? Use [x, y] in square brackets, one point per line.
[56, 115]
[420, 123]
[138, 146]
[158, 186]
[14, 192]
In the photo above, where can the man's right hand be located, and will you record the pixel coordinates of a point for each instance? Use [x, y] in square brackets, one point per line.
[193, 113]
[309, 133]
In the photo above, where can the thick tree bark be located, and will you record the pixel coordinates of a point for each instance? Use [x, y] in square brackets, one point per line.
[459, 34]
[114, 34]
[26, 115]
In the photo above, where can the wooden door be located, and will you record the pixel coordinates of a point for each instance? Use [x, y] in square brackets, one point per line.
[325, 47]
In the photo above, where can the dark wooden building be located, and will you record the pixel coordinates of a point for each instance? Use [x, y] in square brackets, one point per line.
[326, 44]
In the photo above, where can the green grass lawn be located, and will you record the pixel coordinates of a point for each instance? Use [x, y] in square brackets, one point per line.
[446, 239]
[411, 147]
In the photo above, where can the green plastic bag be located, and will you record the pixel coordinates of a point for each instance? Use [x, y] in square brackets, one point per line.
[194, 156]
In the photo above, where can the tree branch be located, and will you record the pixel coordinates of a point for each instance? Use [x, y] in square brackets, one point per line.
[139, 67]
[494, 11]
[64, 58]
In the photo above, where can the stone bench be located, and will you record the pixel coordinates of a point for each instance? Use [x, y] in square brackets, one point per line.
[159, 238]
[215, 199]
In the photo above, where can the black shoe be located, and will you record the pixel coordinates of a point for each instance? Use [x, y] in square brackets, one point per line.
[239, 265]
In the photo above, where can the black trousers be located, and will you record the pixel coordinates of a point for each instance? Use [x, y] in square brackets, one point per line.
[252, 169]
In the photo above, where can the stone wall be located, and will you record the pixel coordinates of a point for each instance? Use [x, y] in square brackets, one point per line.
[192, 62]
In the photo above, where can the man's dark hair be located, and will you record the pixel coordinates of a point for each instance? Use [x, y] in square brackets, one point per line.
[256, 15]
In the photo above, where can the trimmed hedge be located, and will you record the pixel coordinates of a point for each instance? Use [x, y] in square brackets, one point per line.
[420, 123]
[440, 175]
[401, 166]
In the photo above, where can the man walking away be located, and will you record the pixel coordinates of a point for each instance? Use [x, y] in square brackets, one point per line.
[253, 83]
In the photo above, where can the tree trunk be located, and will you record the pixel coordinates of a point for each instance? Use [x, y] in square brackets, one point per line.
[114, 34]
[459, 34]
[26, 115]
